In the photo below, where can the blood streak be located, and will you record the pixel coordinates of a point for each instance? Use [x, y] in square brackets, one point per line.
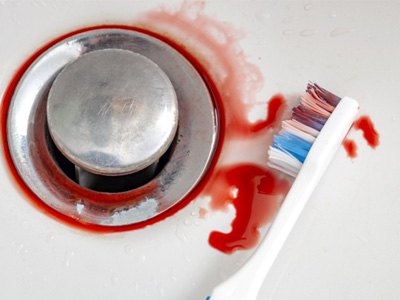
[351, 147]
[276, 108]
[365, 124]
[370, 134]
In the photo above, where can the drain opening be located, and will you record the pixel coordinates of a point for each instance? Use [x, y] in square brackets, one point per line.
[108, 184]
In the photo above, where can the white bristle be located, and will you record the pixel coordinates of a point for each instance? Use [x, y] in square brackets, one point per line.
[283, 162]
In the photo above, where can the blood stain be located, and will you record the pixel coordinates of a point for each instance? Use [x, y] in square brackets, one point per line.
[370, 134]
[351, 147]
[202, 213]
[259, 192]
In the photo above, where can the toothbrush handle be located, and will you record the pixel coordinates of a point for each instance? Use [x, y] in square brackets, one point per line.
[245, 284]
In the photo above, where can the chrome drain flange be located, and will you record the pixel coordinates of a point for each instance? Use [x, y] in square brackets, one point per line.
[112, 127]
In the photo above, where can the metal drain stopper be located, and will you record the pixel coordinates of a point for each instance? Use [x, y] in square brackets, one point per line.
[112, 112]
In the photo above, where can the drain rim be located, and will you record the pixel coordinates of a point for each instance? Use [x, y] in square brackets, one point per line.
[107, 204]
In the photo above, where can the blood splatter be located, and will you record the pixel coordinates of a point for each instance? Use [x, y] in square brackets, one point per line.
[370, 135]
[276, 108]
[351, 147]
[365, 124]
[255, 192]
[202, 212]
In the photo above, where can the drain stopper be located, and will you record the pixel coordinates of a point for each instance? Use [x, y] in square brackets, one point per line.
[112, 112]
[112, 127]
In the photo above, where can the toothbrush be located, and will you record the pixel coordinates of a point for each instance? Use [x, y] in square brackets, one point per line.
[303, 149]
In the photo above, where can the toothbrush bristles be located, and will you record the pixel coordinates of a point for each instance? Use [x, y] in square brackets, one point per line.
[293, 142]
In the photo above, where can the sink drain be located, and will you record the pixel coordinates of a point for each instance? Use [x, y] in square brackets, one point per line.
[111, 127]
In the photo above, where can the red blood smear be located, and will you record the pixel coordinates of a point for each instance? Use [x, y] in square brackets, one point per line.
[351, 148]
[254, 192]
[276, 108]
[216, 45]
[202, 213]
[365, 124]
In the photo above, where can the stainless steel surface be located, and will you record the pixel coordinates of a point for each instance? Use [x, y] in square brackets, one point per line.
[112, 112]
[188, 160]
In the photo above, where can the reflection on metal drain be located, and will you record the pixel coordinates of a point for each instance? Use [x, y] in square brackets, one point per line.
[111, 127]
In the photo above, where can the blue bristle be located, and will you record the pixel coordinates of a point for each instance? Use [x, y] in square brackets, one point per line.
[208, 298]
[292, 144]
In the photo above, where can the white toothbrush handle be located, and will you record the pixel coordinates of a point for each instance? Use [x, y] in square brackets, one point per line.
[246, 282]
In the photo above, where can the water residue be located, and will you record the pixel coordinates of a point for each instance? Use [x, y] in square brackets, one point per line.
[187, 259]
[180, 232]
[339, 31]
[307, 32]
[130, 249]
[39, 3]
[68, 257]
[288, 32]
[79, 207]
[187, 221]
[114, 279]
[22, 250]
[308, 6]
[50, 237]
[162, 292]
[261, 16]
[289, 19]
